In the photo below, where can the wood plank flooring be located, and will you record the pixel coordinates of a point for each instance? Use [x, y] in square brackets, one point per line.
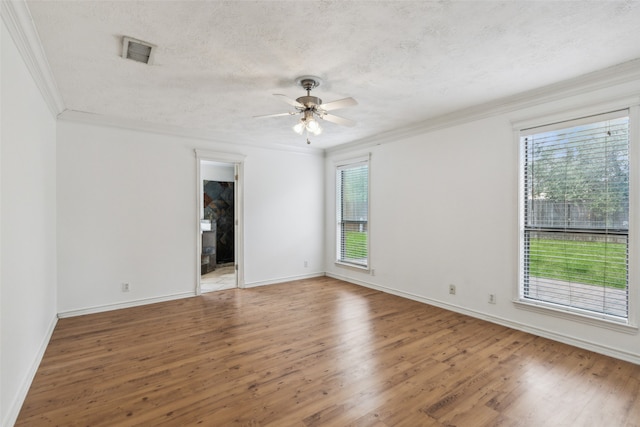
[318, 352]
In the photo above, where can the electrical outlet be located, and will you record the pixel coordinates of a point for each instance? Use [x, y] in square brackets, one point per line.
[125, 287]
[492, 298]
[373, 272]
[306, 264]
[452, 289]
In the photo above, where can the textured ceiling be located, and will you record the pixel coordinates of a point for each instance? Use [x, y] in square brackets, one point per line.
[218, 63]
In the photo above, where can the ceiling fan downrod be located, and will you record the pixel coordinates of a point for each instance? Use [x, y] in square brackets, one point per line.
[308, 83]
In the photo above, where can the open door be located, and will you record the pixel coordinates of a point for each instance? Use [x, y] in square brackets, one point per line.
[219, 243]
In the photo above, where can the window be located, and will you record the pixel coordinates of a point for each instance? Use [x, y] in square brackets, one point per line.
[352, 213]
[575, 216]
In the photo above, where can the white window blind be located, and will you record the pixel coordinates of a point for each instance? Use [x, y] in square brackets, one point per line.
[575, 233]
[352, 213]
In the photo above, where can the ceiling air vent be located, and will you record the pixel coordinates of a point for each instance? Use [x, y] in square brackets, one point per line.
[137, 50]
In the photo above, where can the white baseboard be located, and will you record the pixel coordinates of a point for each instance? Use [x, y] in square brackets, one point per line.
[127, 304]
[587, 345]
[283, 280]
[145, 301]
[11, 415]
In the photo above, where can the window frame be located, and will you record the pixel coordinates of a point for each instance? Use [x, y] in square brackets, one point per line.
[633, 270]
[338, 166]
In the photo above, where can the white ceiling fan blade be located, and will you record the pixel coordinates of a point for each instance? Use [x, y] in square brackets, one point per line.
[289, 101]
[341, 103]
[275, 115]
[337, 120]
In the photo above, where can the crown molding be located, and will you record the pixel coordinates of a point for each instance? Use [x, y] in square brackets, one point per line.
[19, 23]
[172, 130]
[609, 77]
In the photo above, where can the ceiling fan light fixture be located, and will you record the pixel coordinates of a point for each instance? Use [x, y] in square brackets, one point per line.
[314, 127]
[299, 127]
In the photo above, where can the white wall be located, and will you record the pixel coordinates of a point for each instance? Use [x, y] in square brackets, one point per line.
[28, 229]
[444, 210]
[125, 216]
[127, 213]
[284, 214]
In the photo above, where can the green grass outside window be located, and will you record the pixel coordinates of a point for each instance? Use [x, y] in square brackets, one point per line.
[592, 263]
[355, 245]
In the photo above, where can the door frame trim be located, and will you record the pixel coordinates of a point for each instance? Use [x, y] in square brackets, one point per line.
[237, 160]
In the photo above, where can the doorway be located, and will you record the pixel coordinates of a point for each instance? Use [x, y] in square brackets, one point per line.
[219, 250]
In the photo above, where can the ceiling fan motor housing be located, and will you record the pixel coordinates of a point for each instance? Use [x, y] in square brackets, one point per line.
[309, 101]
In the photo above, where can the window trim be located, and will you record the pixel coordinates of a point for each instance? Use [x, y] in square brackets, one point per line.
[570, 313]
[340, 164]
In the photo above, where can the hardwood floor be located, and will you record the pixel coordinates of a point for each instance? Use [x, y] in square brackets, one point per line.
[318, 352]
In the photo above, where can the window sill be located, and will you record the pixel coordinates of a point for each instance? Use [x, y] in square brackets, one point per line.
[354, 266]
[550, 309]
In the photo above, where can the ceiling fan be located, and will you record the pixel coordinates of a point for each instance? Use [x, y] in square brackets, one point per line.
[311, 109]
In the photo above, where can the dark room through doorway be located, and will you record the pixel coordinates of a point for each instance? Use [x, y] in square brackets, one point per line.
[218, 227]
